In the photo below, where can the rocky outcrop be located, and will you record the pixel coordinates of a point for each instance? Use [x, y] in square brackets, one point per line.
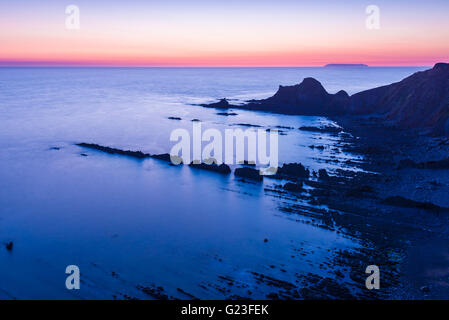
[434, 164]
[307, 98]
[173, 159]
[133, 154]
[9, 245]
[293, 187]
[419, 101]
[222, 104]
[408, 203]
[292, 170]
[325, 129]
[129, 153]
[322, 174]
[222, 168]
[248, 173]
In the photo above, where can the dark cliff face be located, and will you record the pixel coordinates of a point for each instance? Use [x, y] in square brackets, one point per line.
[307, 98]
[418, 101]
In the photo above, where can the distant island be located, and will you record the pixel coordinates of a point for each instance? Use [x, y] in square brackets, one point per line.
[345, 65]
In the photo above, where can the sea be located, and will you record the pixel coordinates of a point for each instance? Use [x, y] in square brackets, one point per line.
[129, 224]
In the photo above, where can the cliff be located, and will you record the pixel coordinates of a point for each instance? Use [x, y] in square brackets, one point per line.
[419, 101]
[307, 98]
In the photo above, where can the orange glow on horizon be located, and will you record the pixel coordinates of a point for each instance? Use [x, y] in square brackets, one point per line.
[225, 35]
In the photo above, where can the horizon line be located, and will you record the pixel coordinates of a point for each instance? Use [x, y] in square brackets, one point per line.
[154, 64]
[201, 66]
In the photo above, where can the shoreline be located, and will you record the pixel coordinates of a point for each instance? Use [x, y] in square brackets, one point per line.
[383, 148]
[391, 231]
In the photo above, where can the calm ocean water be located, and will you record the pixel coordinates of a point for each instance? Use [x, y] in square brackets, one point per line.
[146, 222]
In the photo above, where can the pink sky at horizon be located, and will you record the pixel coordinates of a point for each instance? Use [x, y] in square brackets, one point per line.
[204, 34]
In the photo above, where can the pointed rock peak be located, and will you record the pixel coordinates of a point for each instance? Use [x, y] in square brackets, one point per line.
[311, 81]
[342, 93]
[224, 102]
[311, 85]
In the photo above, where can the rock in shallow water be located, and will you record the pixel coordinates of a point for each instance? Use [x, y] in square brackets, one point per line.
[9, 246]
[222, 168]
[294, 187]
[249, 173]
[295, 170]
[129, 153]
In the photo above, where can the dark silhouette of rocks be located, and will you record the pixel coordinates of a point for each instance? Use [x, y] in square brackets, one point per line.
[9, 246]
[248, 173]
[162, 156]
[222, 104]
[434, 164]
[284, 127]
[222, 168]
[191, 296]
[248, 125]
[226, 114]
[157, 293]
[322, 174]
[419, 101]
[307, 98]
[248, 163]
[326, 129]
[293, 187]
[359, 191]
[295, 170]
[400, 201]
[166, 157]
[129, 153]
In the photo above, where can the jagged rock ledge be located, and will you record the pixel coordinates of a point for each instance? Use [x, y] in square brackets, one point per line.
[222, 168]
[286, 171]
[128, 153]
[109, 150]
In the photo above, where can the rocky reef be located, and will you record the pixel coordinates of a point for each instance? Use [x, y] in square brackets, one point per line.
[248, 173]
[129, 153]
[292, 170]
[222, 168]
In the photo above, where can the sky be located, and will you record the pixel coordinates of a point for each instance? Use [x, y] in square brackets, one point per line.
[223, 33]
